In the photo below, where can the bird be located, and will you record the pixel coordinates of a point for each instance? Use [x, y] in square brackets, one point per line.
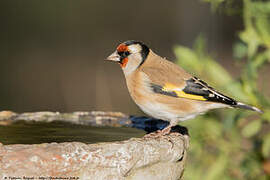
[164, 90]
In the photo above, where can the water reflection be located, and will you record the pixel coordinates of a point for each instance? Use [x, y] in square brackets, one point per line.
[39, 132]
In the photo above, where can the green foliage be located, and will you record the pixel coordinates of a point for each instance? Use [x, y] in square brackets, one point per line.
[230, 7]
[232, 144]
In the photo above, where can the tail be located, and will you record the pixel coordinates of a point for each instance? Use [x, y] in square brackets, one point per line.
[248, 107]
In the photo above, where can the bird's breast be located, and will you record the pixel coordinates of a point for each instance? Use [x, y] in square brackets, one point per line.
[148, 101]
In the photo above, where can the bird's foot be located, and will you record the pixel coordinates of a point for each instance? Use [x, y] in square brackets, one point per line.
[159, 133]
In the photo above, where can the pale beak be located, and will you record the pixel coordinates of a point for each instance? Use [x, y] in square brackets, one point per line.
[114, 57]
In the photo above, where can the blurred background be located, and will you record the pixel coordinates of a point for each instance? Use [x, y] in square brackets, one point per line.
[52, 58]
[52, 53]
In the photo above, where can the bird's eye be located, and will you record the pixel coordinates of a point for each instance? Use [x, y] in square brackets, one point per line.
[126, 53]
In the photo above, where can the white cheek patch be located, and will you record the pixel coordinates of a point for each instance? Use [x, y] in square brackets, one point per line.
[134, 61]
[134, 48]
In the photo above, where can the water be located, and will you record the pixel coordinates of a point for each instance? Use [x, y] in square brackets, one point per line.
[39, 132]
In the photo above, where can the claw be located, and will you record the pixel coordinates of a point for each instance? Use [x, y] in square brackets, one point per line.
[159, 133]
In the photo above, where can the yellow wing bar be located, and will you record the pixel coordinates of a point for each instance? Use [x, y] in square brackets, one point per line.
[180, 93]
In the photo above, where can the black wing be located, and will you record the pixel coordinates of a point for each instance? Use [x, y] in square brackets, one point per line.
[195, 89]
[198, 87]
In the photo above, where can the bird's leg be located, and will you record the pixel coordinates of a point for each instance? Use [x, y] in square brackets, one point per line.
[166, 130]
[160, 133]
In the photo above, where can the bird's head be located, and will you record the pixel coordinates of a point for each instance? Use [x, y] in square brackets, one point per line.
[130, 55]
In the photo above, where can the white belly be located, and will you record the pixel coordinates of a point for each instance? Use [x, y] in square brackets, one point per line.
[160, 111]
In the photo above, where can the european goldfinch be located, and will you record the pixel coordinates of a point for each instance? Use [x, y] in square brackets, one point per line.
[164, 90]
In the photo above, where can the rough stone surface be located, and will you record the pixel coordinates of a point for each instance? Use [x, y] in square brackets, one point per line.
[93, 118]
[137, 158]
